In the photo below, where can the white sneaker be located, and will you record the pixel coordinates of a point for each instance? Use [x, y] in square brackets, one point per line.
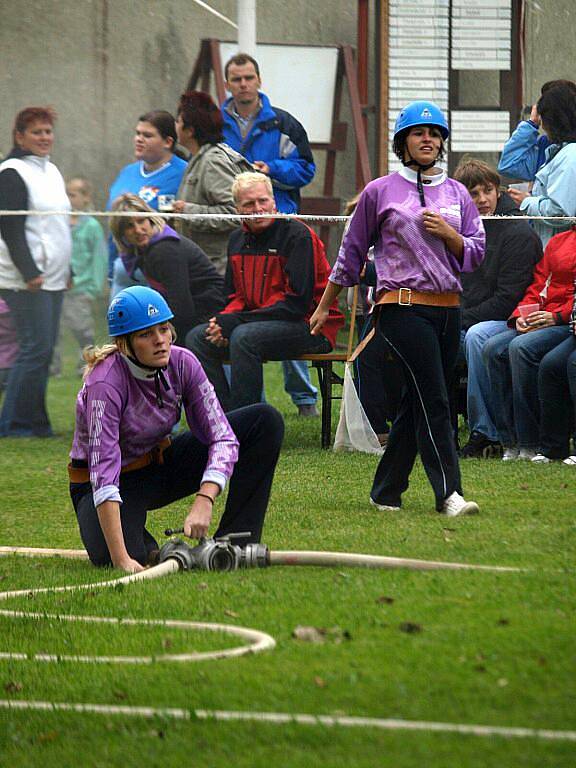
[455, 505]
[540, 459]
[571, 461]
[384, 507]
[510, 454]
[526, 454]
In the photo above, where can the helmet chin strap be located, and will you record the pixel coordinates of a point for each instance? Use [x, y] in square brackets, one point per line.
[419, 168]
[148, 372]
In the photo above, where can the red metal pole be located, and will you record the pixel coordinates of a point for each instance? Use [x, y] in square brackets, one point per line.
[362, 73]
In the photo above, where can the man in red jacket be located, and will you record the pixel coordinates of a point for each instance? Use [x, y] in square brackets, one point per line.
[277, 271]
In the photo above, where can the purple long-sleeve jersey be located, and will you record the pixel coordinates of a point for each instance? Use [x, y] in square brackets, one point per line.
[118, 419]
[389, 217]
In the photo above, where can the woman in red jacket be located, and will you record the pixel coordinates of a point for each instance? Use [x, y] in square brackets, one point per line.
[538, 324]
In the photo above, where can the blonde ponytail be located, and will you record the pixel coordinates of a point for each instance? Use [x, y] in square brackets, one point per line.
[94, 355]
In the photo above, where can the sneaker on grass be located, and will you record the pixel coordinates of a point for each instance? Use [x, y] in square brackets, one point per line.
[540, 459]
[510, 454]
[480, 447]
[308, 411]
[570, 461]
[455, 505]
[384, 507]
[526, 454]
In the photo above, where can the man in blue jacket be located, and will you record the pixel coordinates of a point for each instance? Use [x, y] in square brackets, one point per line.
[277, 145]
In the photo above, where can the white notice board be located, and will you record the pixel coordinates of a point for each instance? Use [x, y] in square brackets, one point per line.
[300, 79]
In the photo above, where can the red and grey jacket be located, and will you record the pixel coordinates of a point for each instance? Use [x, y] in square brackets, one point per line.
[553, 283]
[277, 274]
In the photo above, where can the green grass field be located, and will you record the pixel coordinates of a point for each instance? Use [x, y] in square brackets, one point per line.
[466, 648]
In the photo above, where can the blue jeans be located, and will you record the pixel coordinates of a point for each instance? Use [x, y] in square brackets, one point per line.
[297, 382]
[557, 393]
[479, 398]
[36, 316]
[249, 345]
[513, 360]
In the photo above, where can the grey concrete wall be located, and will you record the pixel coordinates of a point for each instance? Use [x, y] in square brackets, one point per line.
[550, 47]
[102, 63]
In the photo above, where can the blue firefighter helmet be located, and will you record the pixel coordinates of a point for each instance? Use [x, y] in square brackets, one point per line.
[136, 308]
[421, 113]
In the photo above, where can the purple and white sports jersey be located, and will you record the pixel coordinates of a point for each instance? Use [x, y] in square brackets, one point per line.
[118, 419]
[389, 218]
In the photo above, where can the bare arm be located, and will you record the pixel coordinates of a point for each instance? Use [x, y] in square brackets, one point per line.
[109, 517]
[318, 319]
[198, 519]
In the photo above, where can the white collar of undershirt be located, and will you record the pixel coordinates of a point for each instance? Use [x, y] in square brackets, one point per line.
[144, 374]
[429, 181]
[146, 174]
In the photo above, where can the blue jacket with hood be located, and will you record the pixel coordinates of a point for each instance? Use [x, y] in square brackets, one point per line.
[279, 140]
[524, 152]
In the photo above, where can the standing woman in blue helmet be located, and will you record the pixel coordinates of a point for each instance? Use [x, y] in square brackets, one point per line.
[124, 461]
[425, 230]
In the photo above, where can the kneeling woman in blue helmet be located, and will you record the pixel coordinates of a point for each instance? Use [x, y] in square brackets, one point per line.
[123, 459]
[425, 230]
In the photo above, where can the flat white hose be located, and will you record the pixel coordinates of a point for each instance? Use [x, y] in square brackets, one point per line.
[335, 559]
[257, 641]
[304, 557]
[170, 566]
[70, 554]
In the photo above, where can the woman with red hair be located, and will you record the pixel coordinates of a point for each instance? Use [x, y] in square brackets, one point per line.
[34, 267]
[206, 186]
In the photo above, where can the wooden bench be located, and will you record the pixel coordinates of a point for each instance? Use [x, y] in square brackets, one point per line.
[327, 378]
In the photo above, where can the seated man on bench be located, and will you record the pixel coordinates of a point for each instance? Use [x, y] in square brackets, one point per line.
[277, 271]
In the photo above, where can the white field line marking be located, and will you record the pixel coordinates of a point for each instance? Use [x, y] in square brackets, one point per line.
[283, 718]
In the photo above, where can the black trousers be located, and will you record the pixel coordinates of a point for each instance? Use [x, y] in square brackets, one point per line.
[379, 380]
[425, 340]
[259, 429]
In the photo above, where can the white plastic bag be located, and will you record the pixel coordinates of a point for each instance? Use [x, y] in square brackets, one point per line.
[354, 432]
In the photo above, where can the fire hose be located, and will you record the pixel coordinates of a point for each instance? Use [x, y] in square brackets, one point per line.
[208, 555]
[223, 555]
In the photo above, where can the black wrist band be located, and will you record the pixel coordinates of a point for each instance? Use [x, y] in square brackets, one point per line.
[206, 496]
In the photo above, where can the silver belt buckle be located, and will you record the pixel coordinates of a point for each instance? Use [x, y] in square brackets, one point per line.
[405, 297]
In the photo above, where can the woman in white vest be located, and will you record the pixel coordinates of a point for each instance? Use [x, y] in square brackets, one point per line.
[34, 267]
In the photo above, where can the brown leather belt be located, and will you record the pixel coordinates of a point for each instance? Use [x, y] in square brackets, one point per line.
[405, 297]
[154, 456]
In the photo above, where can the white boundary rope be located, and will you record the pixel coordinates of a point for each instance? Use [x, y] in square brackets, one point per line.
[244, 217]
[216, 13]
[285, 718]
